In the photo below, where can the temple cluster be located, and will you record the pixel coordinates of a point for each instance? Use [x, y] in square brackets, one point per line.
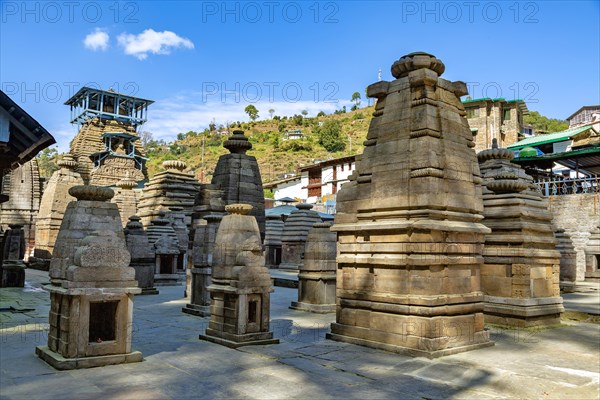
[431, 240]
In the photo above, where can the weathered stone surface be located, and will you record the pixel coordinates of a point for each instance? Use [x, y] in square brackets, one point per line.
[166, 248]
[295, 232]
[578, 225]
[568, 257]
[170, 188]
[93, 286]
[409, 222]
[142, 255]
[24, 190]
[521, 259]
[89, 141]
[238, 176]
[54, 203]
[12, 267]
[241, 284]
[209, 209]
[316, 290]
[273, 235]
[126, 198]
[91, 212]
[592, 255]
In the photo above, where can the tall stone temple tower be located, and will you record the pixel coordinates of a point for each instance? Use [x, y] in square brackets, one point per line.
[107, 146]
[410, 236]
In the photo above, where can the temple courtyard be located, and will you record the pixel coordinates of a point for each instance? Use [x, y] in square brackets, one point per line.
[552, 363]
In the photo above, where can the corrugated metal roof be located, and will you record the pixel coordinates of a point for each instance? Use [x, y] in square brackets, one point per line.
[547, 138]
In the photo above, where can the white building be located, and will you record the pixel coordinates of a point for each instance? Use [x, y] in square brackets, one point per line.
[316, 184]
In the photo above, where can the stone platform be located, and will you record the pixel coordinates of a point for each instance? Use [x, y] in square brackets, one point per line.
[556, 363]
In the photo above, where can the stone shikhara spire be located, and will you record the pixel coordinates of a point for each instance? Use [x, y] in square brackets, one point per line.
[238, 176]
[409, 222]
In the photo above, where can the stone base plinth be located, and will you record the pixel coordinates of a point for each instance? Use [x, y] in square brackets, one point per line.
[59, 362]
[148, 291]
[167, 280]
[194, 309]
[234, 341]
[313, 308]
[288, 265]
[542, 311]
[407, 350]
[42, 264]
[12, 274]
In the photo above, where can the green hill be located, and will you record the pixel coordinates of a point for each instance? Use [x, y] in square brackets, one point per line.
[342, 133]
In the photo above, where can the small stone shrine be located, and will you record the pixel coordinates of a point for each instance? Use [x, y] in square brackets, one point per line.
[568, 257]
[200, 271]
[166, 189]
[238, 175]
[91, 299]
[592, 255]
[143, 259]
[209, 209]
[91, 212]
[409, 222]
[295, 232]
[241, 284]
[54, 203]
[12, 267]
[273, 234]
[167, 252]
[316, 287]
[177, 218]
[520, 275]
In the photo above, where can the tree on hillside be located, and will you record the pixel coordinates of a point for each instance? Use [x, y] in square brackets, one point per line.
[304, 112]
[356, 99]
[330, 137]
[146, 137]
[541, 123]
[47, 161]
[271, 112]
[251, 111]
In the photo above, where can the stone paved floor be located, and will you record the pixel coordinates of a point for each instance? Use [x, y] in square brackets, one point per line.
[559, 363]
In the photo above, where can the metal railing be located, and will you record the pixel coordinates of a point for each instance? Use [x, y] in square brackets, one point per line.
[559, 187]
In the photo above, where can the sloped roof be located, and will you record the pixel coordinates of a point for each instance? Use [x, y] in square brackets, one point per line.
[539, 140]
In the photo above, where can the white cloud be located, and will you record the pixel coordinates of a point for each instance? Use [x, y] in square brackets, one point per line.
[153, 42]
[97, 40]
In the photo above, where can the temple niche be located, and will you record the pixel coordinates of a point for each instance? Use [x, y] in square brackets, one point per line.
[24, 190]
[592, 256]
[410, 236]
[54, 202]
[273, 233]
[12, 249]
[520, 275]
[238, 176]
[107, 146]
[167, 251]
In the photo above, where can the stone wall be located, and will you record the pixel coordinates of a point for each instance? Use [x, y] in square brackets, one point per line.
[23, 187]
[577, 214]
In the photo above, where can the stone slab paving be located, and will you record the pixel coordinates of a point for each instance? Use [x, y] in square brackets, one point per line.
[558, 363]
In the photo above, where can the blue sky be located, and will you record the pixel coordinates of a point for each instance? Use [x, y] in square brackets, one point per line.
[207, 60]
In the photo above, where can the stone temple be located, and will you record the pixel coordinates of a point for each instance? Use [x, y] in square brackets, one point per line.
[107, 147]
[520, 276]
[410, 236]
[238, 176]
